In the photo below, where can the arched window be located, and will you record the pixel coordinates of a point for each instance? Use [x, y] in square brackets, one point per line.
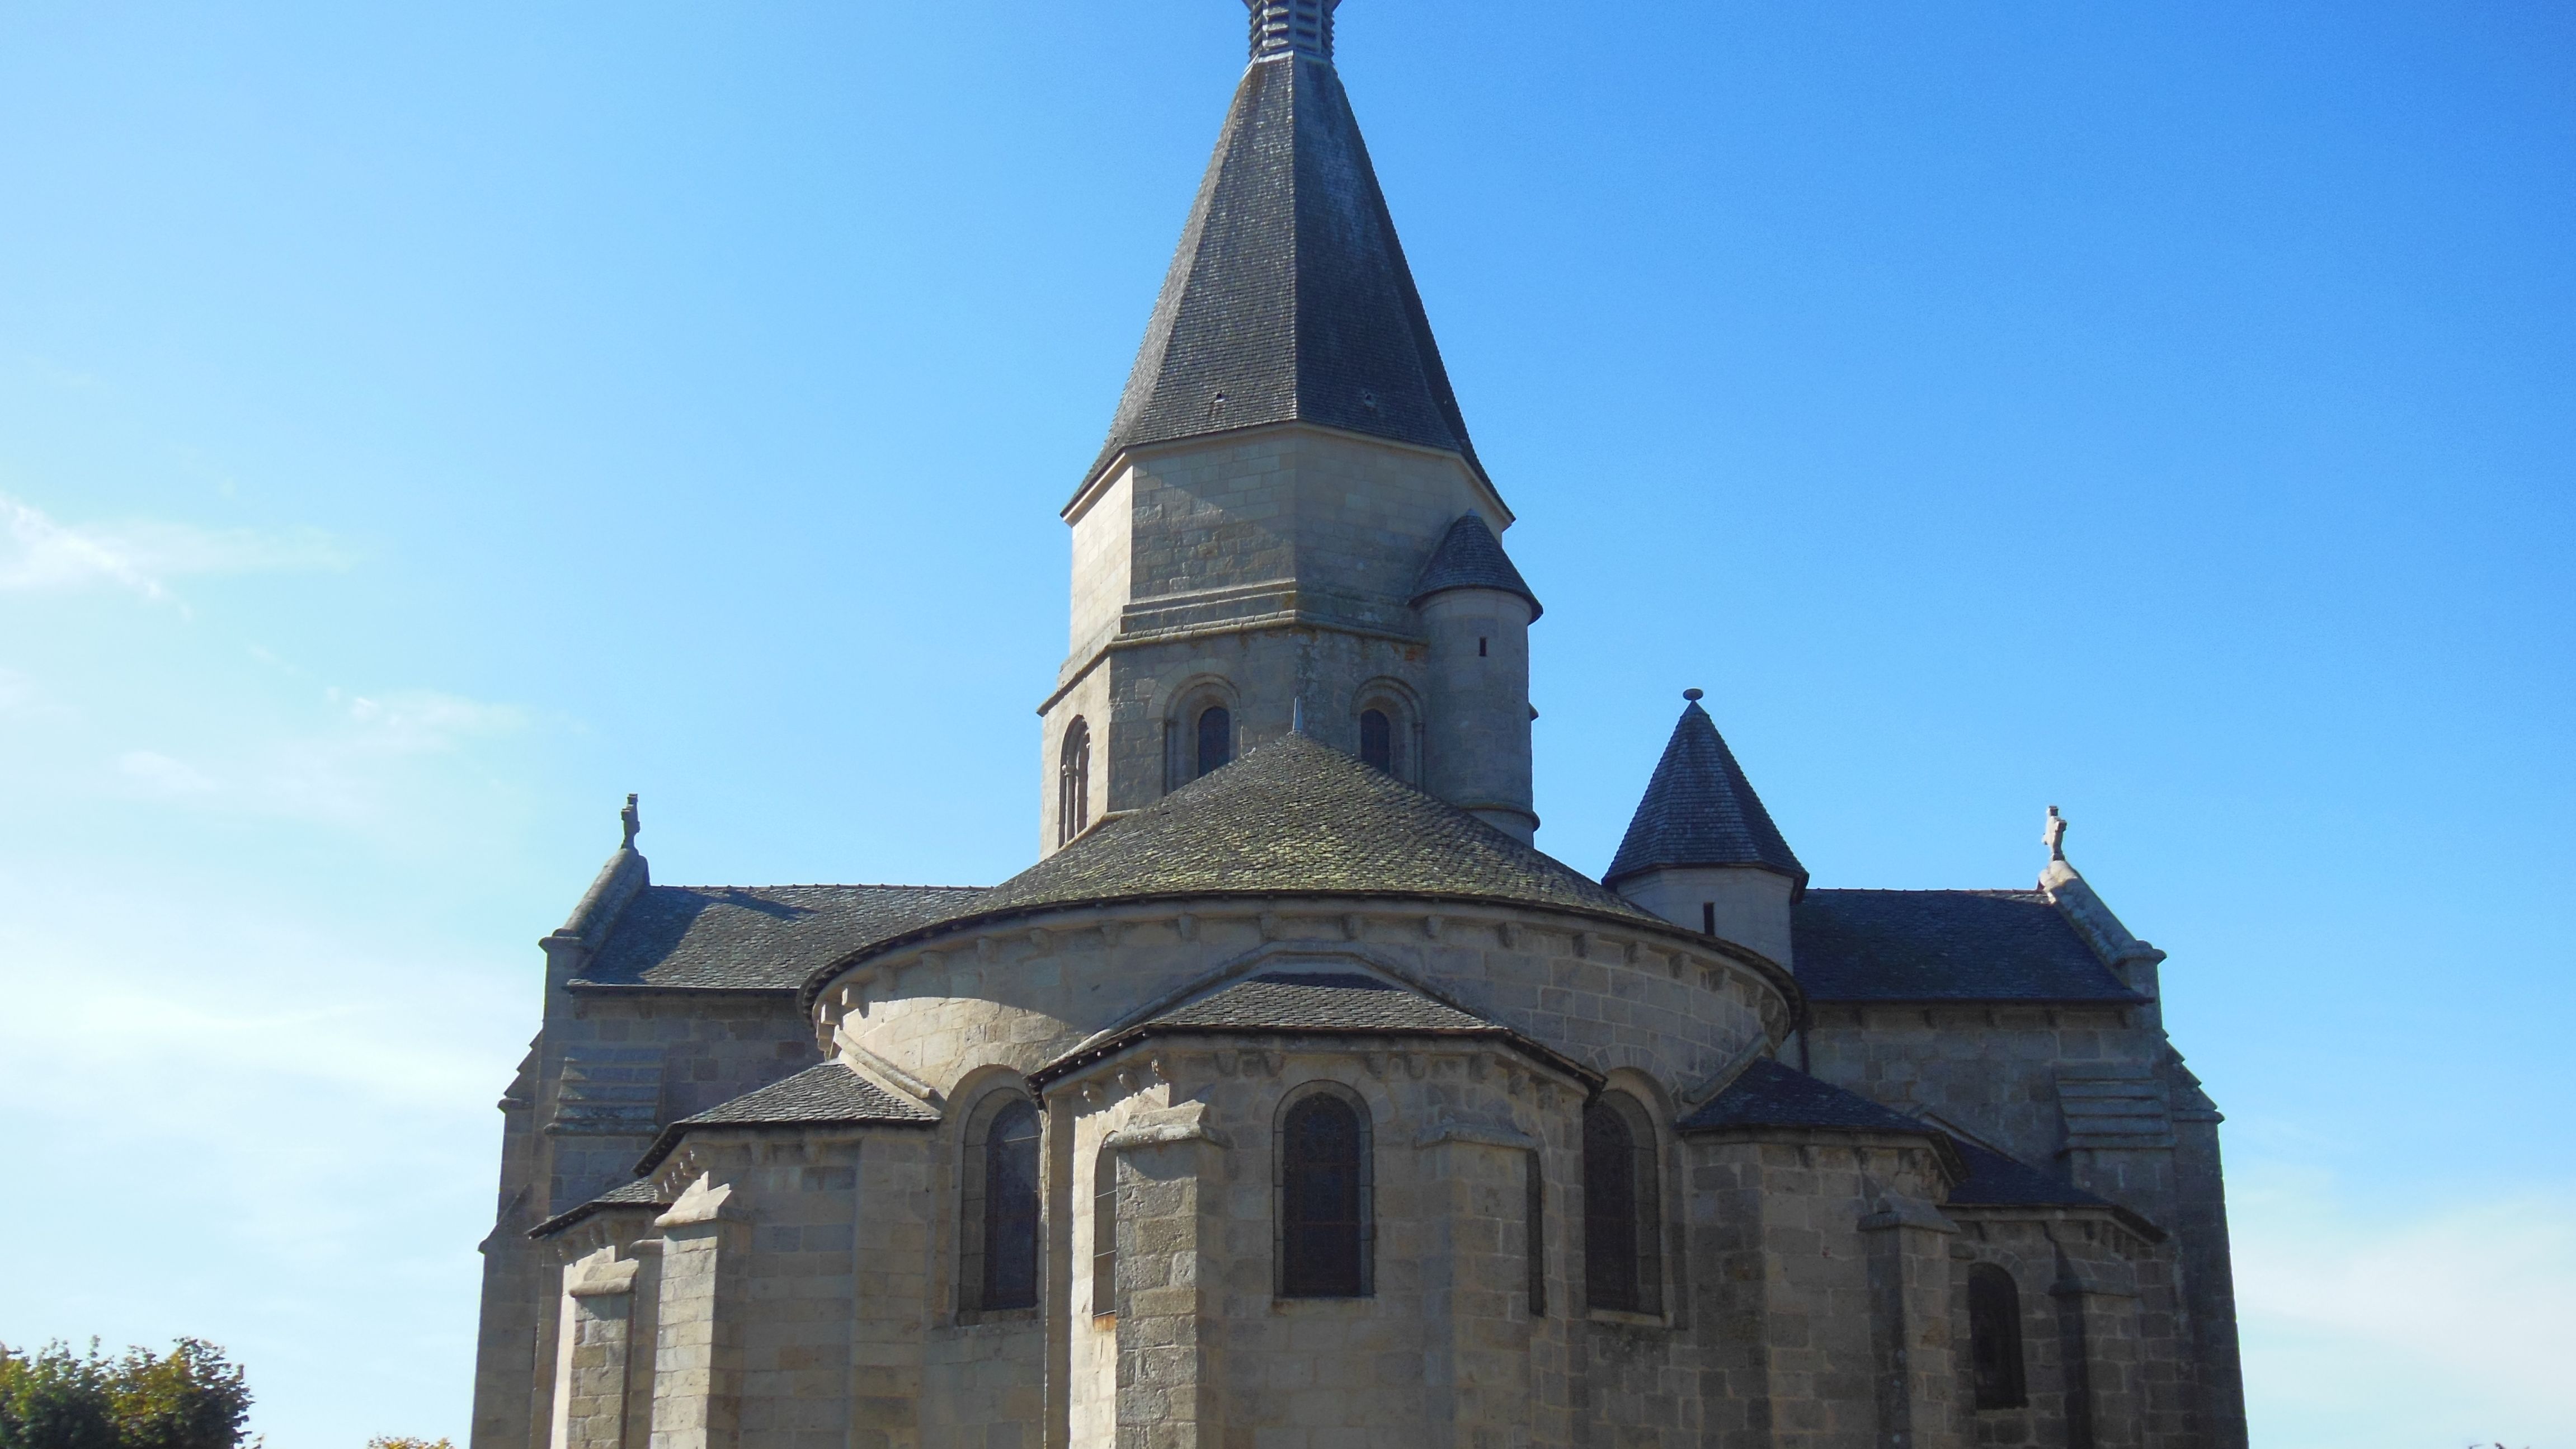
[1073, 783]
[1216, 739]
[1324, 1207]
[1622, 1225]
[1994, 1337]
[1104, 1232]
[999, 1267]
[1377, 739]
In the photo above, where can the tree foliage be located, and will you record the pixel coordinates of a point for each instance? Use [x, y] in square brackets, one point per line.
[190, 1398]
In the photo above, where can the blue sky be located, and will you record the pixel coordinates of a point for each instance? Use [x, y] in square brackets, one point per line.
[420, 427]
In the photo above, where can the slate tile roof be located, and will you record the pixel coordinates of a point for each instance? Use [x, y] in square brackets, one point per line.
[1767, 1094]
[1289, 297]
[1298, 817]
[1995, 1180]
[642, 1192]
[1701, 810]
[1858, 945]
[755, 938]
[1322, 1002]
[1471, 557]
[829, 1095]
[1310, 1003]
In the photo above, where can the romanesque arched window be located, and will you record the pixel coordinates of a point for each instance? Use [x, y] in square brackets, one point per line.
[1994, 1337]
[998, 1266]
[1073, 783]
[1622, 1221]
[1325, 1233]
[1104, 1232]
[1377, 739]
[1216, 739]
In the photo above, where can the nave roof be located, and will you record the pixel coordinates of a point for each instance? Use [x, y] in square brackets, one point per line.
[1874, 945]
[755, 938]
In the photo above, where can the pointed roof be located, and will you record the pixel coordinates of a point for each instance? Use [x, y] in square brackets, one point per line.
[1700, 810]
[1289, 298]
[1471, 557]
[1296, 816]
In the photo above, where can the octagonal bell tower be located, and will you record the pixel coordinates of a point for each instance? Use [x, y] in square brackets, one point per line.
[1287, 461]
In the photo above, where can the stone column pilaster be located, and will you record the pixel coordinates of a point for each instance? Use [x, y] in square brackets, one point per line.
[697, 1358]
[2098, 1335]
[1476, 1346]
[1908, 1242]
[1171, 1249]
[591, 1352]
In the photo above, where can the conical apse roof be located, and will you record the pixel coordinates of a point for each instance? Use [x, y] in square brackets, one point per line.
[1699, 810]
[1289, 298]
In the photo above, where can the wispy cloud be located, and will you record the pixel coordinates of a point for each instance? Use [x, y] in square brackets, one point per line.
[153, 773]
[2466, 1306]
[342, 768]
[141, 556]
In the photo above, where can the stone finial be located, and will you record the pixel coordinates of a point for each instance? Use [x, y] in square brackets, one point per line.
[1292, 27]
[633, 821]
[2054, 836]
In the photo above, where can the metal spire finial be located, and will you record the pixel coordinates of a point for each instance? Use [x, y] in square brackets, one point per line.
[1292, 27]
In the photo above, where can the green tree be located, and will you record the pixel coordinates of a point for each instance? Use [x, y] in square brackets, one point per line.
[192, 1398]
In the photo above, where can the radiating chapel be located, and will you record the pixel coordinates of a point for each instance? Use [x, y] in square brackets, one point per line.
[1293, 1098]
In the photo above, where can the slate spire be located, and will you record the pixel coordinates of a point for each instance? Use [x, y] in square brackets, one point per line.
[1289, 298]
[1699, 810]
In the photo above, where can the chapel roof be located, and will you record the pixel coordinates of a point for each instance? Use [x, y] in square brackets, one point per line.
[754, 938]
[643, 1192]
[1296, 816]
[1768, 1094]
[1471, 557]
[829, 1095]
[1873, 945]
[1700, 810]
[1289, 298]
[1995, 1180]
[1309, 1003]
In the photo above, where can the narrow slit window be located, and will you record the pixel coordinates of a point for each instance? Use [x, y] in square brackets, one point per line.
[1377, 740]
[1708, 918]
[1480, 647]
[1104, 1233]
[1324, 1200]
[1994, 1337]
[1216, 739]
[1622, 1227]
[1534, 1227]
[1009, 1209]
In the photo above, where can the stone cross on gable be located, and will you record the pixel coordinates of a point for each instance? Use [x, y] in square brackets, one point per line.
[632, 820]
[2055, 835]
[1292, 27]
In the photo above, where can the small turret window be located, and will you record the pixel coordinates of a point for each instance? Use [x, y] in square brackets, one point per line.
[1994, 1337]
[1073, 783]
[1377, 739]
[1622, 1228]
[1216, 739]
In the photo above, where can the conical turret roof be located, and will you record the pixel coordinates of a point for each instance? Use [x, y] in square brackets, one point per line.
[1699, 810]
[1289, 298]
[1471, 557]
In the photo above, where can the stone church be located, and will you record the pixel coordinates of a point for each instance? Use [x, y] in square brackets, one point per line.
[1293, 1099]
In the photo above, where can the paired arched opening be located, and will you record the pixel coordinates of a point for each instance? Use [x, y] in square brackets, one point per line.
[1389, 728]
[1073, 783]
[1623, 1266]
[999, 1234]
[1994, 1338]
[1327, 1235]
